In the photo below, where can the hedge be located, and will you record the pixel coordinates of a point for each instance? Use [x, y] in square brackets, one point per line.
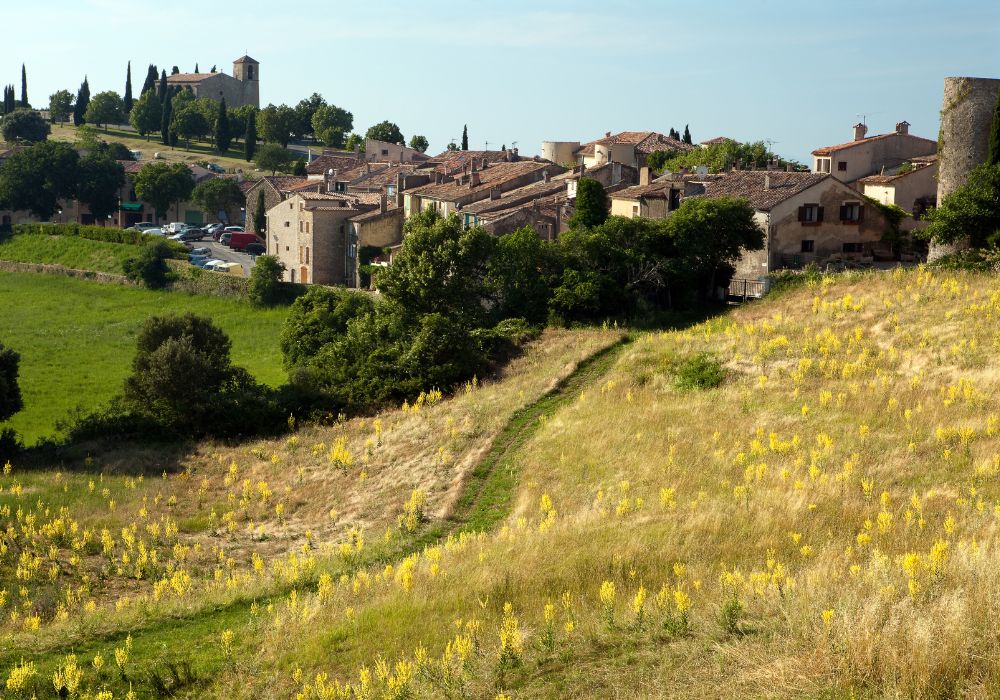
[104, 234]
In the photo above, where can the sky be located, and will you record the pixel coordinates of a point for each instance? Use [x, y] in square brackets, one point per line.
[796, 73]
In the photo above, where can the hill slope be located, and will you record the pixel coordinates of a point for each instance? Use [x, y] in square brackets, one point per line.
[823, 524]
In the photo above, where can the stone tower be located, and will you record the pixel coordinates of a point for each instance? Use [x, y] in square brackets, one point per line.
[966, 117]
[247, 71]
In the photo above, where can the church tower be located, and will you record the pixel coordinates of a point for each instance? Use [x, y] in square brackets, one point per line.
[247, 71]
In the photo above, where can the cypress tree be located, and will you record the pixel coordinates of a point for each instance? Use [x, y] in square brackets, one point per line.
[223, 136]
[250, 140]
[151, 76]
[162, 90]
[465, 137]
[127, 99]
[260, 214]
[993, 155]
[196, 68]
[687, 135]
[24, 88]
[82, 100]
[168, 108]
[175, 70]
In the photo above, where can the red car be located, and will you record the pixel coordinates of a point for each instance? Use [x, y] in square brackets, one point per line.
[240, 240]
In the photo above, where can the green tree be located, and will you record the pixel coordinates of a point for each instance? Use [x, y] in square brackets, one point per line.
[163, 185]
[101, 178]
[60, 106]
[10, 392]
[82, 102]
[299, 168]
[223, 137]
[127, 99]
[465, 137]
[167, 115]
[218, 195]
[330, 124]
[687, 135]
[385, 131]
[105, 108]
[24, 89]
[304, 112]
[188, 122]
[163, 87]
[440, 269]
[260, 215]
[24, 125]
[264, 287]
[150, 266]
[993, 154]
[658, 159]
[591, 204]
[146, 114]
[272, 157]
[276, 124]
[250, 138]
[971, 212]
[317, 318]
[520, 275]
[38, 178]
[420, 143]
[354, 142]
[150, 82]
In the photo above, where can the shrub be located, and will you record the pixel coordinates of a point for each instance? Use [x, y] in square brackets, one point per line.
[265, 281]
[10, 392]
[150, 266]
[95, 233]
[319, 317]
[699, 372]
[730, 614]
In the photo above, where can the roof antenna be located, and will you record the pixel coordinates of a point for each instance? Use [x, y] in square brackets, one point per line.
[864, 118]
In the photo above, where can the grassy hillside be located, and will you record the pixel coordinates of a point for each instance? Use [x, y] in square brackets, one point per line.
[77, 338]
[823, 524]
[76, 253]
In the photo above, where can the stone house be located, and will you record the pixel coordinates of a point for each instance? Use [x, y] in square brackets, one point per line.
[386, 152]
[655, 199]
[322, 165]
[912, 189]
[628, 147]
[310, 233]
[371, 232]
[276, 189]
[479, 180]
[806, 217]
[871, 155]
[239, 89]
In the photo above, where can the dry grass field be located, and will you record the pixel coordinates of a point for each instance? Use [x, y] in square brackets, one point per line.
[822, 524]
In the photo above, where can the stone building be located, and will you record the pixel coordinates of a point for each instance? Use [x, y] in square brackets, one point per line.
[276, 189]
[240, 88]
[628, 147]
[871, 155]
[371, 232]
[913, 189]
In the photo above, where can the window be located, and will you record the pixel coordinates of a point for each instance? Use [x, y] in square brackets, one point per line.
[851, 212]
[249, 72]
[810, 214]
[291, 205]
[307, 227]
[302, 227]
[842, 166]
[635, 210]
[675, 199]
[300, 254]
[822, 165]
[854, 247]
[288, 224]
[808, 246]
[385, 151]
[307, 255]
[351, 250]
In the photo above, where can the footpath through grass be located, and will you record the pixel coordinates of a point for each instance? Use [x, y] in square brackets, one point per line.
[77, 338]
[76, 253]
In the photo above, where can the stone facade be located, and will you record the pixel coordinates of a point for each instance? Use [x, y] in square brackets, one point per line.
[239, 89]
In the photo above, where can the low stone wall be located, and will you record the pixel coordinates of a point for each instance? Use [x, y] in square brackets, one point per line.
[102, 277]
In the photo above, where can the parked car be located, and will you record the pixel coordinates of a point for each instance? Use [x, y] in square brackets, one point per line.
[212, 229]
[255, 249]
[176, 227]
[227, 268]
[155, 232]
[143, 225]
[234, 229]
[215, 168]
[210, 264]
[224, 238]
[240, 240]
[201, 251]
[192, 233]
[179, 237]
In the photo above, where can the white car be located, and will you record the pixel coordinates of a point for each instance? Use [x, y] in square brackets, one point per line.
[154, 232]
[176, 227]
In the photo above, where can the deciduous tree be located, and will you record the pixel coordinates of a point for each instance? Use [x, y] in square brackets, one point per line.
[147, 113]
[25, 125]
[276, 124]
[10, 392]
[100, 181]
[219, 195]
[331, 124]
[385, 131]
[38, 178]
[105, 108]
[272, 157]
[163, 185]
[420, 143]
[60, 106]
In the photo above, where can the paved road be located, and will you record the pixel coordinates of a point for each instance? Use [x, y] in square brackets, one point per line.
[221, 252]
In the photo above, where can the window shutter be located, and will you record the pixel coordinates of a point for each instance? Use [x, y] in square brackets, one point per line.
[861, 213]
[802, 213]
[843, 212]
[819, 213]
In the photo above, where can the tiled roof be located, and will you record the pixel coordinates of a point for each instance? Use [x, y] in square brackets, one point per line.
[528, 193]
[892, 177]
[716, 141]
[189, 77]
[131, 166]
[494, 175]
[749, 184]
[286, 183]
[245, 59]
[308, 186]
[644, 142]
[654, 190]
[338, 163]
[828, 150]
[450, 161]
[376, 214]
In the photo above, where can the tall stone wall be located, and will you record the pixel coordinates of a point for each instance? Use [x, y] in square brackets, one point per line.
[966, 117]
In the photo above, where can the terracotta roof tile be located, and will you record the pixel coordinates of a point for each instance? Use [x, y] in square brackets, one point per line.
[749, 184]
[338, 163]
[189, 77]
[495, 174]
[892, 177]
[829, 150]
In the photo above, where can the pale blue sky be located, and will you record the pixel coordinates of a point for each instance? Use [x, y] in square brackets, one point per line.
[792, 71]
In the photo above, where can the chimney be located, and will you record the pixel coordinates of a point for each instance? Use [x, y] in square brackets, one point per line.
[767, 181]
[494, 193]
[788, 168]
[382, 203]
[903, 127]
[859, 131]
[607, 134]
[545, 176]
[475, 181]
[513, 154]
[485, 164]
[644, 176]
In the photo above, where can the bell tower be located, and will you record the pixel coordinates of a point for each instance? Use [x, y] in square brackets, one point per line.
[247, 71]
